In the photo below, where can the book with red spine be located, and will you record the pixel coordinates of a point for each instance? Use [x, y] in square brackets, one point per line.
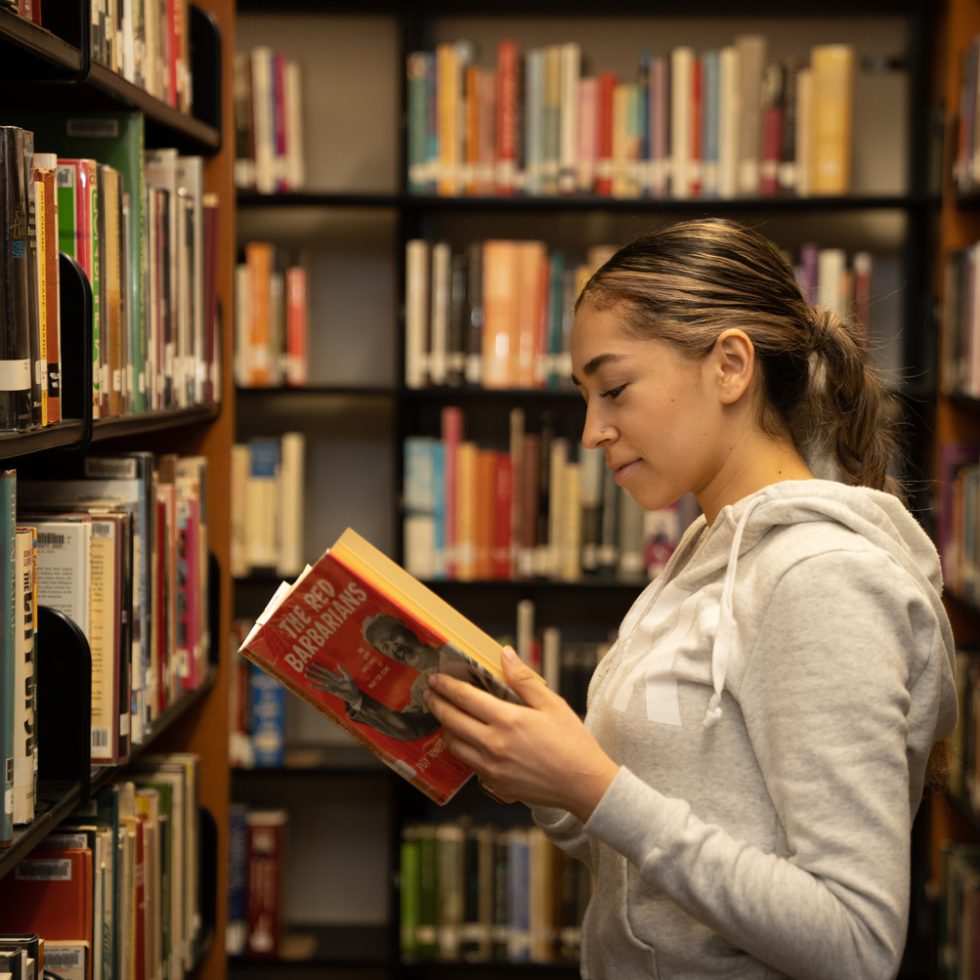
[505, 169]
[604, 134]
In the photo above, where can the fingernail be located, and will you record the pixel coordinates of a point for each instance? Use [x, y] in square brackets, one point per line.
[510, 653]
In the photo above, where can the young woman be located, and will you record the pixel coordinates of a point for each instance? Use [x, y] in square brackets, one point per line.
[758, 738]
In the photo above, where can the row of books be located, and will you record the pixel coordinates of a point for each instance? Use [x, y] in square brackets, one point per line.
[966, 161]
[256, 860]
[960, 344]
[964, 777]
[959, 949]
[147, 43]
[497, 314]
[726, 122]
[113, 890]
[268, 122]
[959, 529]
[480, 892]
[533, 509]
[118, 544]
[267, 512]
[271, 318]
[143, 231]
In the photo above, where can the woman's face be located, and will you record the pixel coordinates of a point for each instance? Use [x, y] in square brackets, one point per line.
[653, 411]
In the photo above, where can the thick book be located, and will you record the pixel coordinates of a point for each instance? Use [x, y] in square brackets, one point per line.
[356, 636]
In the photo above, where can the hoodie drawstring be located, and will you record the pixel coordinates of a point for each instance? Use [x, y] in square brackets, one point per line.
[727, 635]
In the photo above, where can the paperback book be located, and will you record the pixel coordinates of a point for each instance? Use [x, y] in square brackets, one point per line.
[357, 636]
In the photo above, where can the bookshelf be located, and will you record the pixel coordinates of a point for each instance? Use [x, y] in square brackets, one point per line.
[957, 421]
[51, 69]
[353, 217]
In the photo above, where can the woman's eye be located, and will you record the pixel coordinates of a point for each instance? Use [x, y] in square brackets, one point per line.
[613, 393]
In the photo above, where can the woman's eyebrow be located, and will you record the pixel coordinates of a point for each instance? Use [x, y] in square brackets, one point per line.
[590, 367]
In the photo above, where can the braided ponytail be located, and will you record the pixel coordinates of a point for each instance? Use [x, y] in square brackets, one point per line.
[845, 405]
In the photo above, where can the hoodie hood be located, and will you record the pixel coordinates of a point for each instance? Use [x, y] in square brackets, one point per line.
[706, 552]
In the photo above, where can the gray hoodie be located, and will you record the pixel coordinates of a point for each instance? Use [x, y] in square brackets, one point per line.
[772, 699]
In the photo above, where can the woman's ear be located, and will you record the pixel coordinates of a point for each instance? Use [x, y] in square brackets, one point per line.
[734, 355]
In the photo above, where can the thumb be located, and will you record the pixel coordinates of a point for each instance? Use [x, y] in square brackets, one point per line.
[525, 682]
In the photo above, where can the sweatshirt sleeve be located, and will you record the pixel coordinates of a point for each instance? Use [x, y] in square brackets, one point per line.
[565, 831]
[824, 696]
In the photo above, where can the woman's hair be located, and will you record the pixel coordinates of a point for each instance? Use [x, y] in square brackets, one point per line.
[688, 282]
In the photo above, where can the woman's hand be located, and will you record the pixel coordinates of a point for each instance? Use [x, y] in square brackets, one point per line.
[538, 752]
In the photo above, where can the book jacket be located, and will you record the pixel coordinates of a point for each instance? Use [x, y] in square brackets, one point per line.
[360, 653]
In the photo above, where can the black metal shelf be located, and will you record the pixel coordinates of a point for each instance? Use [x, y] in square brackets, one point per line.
[672, 206]
[61, 435]
[323, 946]
[325, 391]
[627, 205]
[57, 799]
[26, 47]
[124, 425]
[382, 200]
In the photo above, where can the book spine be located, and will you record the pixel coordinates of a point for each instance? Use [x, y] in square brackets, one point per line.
[25, 744]
[505, 170]
[16, 271]
[417, 313]
[266, 841]
[8, 648]
[831, 120]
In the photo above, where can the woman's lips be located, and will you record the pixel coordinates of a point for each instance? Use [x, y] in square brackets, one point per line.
[622, 473]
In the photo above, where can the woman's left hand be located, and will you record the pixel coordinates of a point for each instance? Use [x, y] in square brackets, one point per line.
[539, 752]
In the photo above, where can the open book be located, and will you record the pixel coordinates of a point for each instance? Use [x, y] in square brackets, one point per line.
[356, 636]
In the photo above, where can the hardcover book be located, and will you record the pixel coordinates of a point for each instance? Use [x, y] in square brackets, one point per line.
[356, 636]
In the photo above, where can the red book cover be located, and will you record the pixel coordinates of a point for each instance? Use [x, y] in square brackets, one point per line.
[506, 163]
[159, 618]
[356, 636]
[139, 926]
[265, 832]
[211, 357]
[604, 147]
[188, 586]
[297, 325]
[452, 435]
[84, 177]
[50, 893]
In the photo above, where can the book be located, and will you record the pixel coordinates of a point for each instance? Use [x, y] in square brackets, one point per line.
[356, 636]
[265, 832]
[48, 294]
[8, 648]
[51, 892]
[25, 710]
[16, 270]
[115, 138]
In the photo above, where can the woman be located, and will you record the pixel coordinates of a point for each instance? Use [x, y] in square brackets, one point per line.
[758, 738]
